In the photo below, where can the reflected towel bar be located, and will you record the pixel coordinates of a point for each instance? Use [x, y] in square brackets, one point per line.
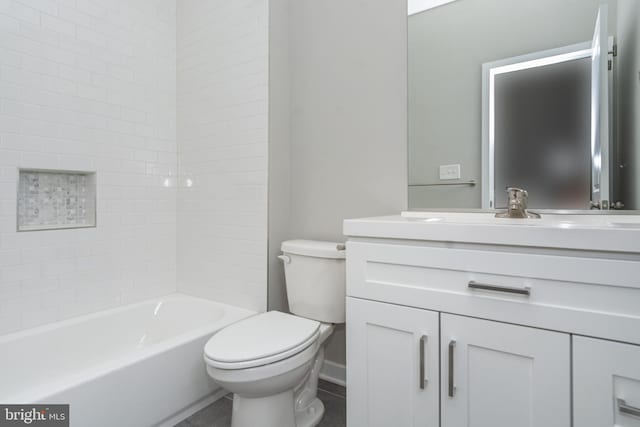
[471, 182]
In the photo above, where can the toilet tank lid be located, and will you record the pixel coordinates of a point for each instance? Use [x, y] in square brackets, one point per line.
[314, 248]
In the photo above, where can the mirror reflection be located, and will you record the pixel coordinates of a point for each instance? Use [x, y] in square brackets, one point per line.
[538, 94]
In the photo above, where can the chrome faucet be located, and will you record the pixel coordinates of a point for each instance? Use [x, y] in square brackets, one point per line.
[517, 205]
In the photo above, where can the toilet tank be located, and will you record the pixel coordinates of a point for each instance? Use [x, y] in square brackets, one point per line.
[315, 278]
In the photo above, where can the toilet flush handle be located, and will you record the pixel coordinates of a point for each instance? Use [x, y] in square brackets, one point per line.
[284, 259]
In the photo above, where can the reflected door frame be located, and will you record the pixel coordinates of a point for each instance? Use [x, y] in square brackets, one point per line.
[508, 65]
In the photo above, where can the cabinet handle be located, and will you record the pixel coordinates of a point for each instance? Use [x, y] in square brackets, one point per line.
[486, 287]
[422, 380]
[452, 388]
[628, 409]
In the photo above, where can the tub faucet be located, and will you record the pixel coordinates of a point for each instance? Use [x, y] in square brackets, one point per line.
[517, 205]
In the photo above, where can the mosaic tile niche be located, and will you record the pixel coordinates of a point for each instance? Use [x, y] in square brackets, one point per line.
[56, 199]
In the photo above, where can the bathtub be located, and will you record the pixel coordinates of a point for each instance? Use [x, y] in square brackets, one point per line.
[139, 365]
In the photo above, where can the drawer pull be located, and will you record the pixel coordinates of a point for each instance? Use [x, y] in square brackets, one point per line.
[486, 287]
[628, 409]
[452, 388]
[422, 380]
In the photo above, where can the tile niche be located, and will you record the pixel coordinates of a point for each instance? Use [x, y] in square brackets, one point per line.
[54, 199]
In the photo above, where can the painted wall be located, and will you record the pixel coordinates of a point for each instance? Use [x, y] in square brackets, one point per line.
[447, 47]
[348, 117]
[88, 85]
[279, 148]
[222, 133]
[628, 62]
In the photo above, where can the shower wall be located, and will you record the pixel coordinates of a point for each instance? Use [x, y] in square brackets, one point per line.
[90, 86]
[223, 91]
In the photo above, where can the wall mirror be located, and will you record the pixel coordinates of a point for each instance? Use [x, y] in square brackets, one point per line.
[538, 94]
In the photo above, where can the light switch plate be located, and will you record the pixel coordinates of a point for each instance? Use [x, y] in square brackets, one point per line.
[449, 172]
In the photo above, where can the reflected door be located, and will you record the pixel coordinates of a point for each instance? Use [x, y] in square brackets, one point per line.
[536, 128]
[600, 145]
[542, 123]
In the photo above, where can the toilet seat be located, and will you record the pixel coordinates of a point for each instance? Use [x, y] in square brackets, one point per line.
[260, 340]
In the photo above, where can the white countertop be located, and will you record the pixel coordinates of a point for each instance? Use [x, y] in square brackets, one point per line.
[617, 233]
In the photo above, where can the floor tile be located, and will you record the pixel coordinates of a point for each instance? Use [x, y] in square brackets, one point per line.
[332, 388]
[218, 414]
[335, 410]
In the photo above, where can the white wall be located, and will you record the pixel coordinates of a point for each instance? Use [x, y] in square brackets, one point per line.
[98, 92]
[348, 117]
[222, 84]
[279, 148]
[88, 85]
[348, 113]
[629, 98]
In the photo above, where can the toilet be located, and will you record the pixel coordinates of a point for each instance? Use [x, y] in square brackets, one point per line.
[271, 361]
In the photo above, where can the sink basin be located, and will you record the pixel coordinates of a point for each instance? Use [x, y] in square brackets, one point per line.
[571, 230]
[547, 220]
[625, 224]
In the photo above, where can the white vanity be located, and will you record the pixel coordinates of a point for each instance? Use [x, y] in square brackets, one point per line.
[463, 319]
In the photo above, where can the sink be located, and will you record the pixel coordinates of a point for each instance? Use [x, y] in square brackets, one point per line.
[568, 230]
[548, 220]
[625, 224]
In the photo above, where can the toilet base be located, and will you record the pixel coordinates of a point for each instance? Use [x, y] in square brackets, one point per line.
[274, 411]
[297, 406]
[310, 416]
[270, 411]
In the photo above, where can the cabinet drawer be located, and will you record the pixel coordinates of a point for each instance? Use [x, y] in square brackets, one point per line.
[589, 296]
[606, 389]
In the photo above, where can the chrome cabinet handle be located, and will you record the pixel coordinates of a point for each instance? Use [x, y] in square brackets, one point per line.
[452, 388]
[486, 287]
[422, 380]
[628, 409]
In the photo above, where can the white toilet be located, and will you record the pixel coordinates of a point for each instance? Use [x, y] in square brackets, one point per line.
[271, 361]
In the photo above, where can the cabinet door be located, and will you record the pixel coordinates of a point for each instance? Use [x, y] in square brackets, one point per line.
[606, 383]
[392, 365]
[501, 375]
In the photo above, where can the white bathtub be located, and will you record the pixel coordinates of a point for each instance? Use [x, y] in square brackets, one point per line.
[139, 365]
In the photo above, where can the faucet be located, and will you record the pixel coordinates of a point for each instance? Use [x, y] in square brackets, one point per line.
[517, 205]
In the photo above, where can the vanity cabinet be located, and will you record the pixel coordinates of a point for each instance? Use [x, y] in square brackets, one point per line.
[501, 375]
[606, 385]
[493, 373]
[503, 334]
[393, 373]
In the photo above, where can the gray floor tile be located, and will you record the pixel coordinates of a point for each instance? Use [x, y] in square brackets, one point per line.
[218, 414]
[332, 388]
[335, 410]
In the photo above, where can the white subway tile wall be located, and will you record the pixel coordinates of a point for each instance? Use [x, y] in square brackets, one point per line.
[222, 75]
[88, 85]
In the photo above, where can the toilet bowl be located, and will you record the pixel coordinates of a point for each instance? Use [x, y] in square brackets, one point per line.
[270, 373]
[271, 361]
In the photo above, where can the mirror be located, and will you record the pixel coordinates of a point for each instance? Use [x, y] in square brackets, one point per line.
[529, 93]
